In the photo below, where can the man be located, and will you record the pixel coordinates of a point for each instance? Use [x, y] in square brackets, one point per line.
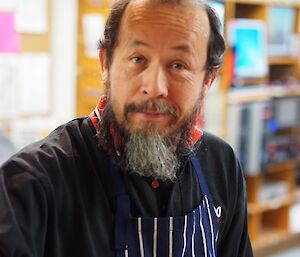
[137, 177]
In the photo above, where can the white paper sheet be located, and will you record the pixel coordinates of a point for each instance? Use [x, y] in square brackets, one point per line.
[281, 31]
[8, 5]
[93, 27]
[294, 221]
[34, 84]
[8, 83]
[32, 16]
[287, 112]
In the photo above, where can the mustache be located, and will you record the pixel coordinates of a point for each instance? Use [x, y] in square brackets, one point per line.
[158, 106]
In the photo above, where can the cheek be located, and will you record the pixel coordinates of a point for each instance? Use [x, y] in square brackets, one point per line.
[116, 95]
[186, 95]
[118, 83]
[121, 93]
[121, 77]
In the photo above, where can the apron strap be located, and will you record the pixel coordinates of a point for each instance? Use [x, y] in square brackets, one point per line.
[122, 210]
[117, 180]
[201, 178]
[203, 186]
[121, 223]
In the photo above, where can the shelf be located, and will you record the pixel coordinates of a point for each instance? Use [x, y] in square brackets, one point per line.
[285, 91]
[248, 94]
[283, 60]
[254, 2]
[273, 204]
[261, 93]
[269, 220]
[273, 241]
[278, 167]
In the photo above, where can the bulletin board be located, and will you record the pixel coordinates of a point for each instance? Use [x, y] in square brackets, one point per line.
[26, 97]
[31, 45]
[92, 14]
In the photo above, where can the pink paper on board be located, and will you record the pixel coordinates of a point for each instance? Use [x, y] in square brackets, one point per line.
[9, 37]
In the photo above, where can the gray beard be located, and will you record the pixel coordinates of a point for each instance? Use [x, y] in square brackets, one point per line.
[146, 152]
[150, 155]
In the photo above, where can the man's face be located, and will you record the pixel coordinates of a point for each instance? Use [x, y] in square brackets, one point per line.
[158, 68]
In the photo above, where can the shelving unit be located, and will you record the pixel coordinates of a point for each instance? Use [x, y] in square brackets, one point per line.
[268, 220]
[265, 213]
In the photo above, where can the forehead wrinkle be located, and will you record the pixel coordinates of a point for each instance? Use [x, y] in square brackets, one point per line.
[146, 18]
[182, 48]
[175, 18]
[137, 42]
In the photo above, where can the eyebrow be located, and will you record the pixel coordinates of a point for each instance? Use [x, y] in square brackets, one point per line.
[183, 48]
[140, 43]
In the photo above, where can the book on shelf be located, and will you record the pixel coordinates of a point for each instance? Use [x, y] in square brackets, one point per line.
[254, 129]
[281, 31]
[271, 190]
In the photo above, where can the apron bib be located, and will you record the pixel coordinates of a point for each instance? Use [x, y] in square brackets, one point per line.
[192, 235]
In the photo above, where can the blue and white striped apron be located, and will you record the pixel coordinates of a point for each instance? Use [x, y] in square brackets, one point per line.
[192, 235]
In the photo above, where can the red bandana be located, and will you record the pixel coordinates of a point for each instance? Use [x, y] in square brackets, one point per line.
[195, 131]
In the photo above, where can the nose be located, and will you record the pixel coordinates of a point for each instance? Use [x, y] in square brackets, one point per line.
[155, 82]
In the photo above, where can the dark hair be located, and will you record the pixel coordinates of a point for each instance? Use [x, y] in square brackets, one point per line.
[216, 46]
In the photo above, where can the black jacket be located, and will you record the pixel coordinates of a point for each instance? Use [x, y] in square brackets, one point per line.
[56, 196]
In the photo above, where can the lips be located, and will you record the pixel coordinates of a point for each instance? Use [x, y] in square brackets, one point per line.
[157, 108]
[151, 112]
[151, 115]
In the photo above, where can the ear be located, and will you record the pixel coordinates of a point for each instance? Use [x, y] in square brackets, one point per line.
[209, 79]
[104, 65]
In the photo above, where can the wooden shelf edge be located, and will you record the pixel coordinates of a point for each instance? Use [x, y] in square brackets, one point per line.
[260, 93]
[283, 60]
[273, 242]
[252, 2]
[279, 167]
[273, 204]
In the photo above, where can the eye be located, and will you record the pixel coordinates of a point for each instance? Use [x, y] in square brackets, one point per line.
[137, 59]
[178, 66]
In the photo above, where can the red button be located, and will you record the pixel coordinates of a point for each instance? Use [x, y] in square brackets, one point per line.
[155, 184]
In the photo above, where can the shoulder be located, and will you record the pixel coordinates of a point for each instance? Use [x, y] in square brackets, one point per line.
[216, 149]
[213, 141]
[60, 148]
[67, 134]
[218, 160]
[58, 166]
